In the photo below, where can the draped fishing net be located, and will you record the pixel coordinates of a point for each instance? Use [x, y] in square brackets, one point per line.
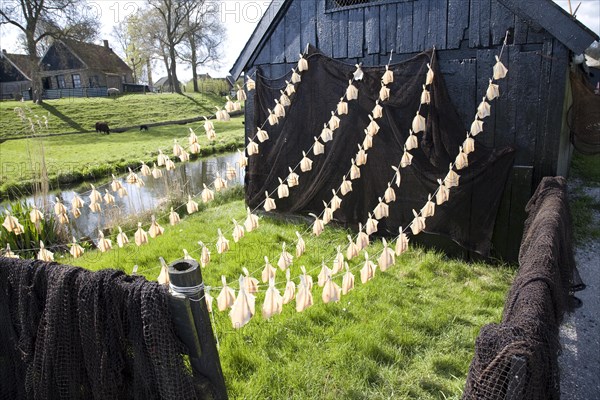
[467, 218]
[68, 333]
[584, 115]
[518, 359]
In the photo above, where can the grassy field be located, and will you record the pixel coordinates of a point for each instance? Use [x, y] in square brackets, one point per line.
[81, 114]
[586, 171]
[409, 333]
[91, 156]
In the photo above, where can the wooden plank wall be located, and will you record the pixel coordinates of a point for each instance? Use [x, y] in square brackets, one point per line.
[467, 34]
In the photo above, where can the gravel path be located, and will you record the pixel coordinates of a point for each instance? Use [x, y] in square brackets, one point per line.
[580, 331]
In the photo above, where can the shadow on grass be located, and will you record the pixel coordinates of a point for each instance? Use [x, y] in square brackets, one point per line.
[52, 110]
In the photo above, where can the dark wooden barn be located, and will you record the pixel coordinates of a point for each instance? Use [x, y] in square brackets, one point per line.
[530, 115]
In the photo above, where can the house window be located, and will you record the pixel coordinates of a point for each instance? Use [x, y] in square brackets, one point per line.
[93, 81]
[76, 80]
[60, 81]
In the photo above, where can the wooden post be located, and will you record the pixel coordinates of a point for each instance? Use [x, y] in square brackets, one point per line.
[192, 323]
[516, 376]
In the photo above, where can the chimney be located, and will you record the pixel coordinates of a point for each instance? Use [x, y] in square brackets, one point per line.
[106, 44]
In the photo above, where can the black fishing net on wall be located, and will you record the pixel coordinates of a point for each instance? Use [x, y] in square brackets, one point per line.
[67, 334]
[518, 359]
[467, 218]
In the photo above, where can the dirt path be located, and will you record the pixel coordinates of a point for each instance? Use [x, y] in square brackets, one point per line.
[580, 332]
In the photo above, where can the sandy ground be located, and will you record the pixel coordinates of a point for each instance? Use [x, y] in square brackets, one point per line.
[580, 331]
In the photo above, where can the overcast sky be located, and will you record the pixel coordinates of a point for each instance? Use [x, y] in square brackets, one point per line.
[240, 18]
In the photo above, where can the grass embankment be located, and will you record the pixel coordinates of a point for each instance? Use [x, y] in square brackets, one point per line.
[81, 114]
[92, 156]
[586, 171]
[408, 333]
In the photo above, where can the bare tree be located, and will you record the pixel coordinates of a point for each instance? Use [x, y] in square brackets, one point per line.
[39, 20]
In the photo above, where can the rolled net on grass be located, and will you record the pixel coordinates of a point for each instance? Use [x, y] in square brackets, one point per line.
[518, 359]
[467, 218]
[68, 333]
[584, 115]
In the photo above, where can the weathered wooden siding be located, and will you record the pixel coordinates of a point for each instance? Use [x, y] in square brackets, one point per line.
[467, 34]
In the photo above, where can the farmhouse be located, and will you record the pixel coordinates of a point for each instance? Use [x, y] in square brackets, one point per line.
[529, 117]
[14, 75]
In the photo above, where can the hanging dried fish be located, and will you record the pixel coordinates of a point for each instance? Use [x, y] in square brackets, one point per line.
[388, 76]
[208, 125]
[243, 307]
[209, 300]
[238, 231]
[285, 259]
[161, 158]
[304, 298]
[191, 205]
[284, 99]
[476, 127]
[428, 209]
[331, 291]
[211, 135]
[241, 94]
[461, 161]
[327, 213]
[326, 134]
[156, 172]
[373, 127]
[122, 238]
[226, 298]
[243, 159]
[115, 185]
[338, 261]
[59, 207]
[273, 119]
[367, 141]
[335, 202]
[186, 255]
[300, 245]
[222, 243]
[141, 237]
[346, 186]
[389, 195]
[261, 135]
[342, 107]
[387, 257]
[362, 239]
[95, 196]
[95, 207]
[163, 277]
[45, 255]
[250, 84]
[76, 212]
[252, 148]
[269, 203]
[219, 183]
[382, 210]
[63, 219]
[418, 123]
[452, 178]
[318, 147]
[273, 303]
[184, 156]
[323, 275]
[251, 222]
[144, 170]
[289, 88]
[35, 215]
[425, 96]
[352, 250]
[406, 159]
[318, 226]
[412, 142]
[109, 198]
[430, 75]
[351, 91]
[371, 225]
[290, 289]
[484, 109]
[334, 122]
[268, 271]
[302, 64]
[237, 106]
[279, 110]
[177, 149]
[361, 156]
[377, 111]
[492, 91]
[228, 104]
[250, 283]
[76, 202]
[358, 74]
[401, 242]
[204, 255]
[169, 165]
[354, 171]
[367, 272]
[347, 281]
[155, 229]
[104, 244]
[292, 178]
[207, 195]
[500, 70]
[418, 224]
[442, 194]
[305, 163]
[76, 250]
[468, 145]
[296, 78]
[384, 92]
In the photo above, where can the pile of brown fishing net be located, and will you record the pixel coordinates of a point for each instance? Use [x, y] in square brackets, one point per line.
[584, 115]
[68, 333]
[518, 359]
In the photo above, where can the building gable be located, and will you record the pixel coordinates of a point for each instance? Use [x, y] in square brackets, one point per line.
[60, 57]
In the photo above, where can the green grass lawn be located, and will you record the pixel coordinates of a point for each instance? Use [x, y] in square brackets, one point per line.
[81, 114]
[586, 171]
[91, 156]
[408, 333]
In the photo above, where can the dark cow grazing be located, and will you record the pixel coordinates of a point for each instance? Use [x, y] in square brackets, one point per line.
[102, 127]
[143, 128]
